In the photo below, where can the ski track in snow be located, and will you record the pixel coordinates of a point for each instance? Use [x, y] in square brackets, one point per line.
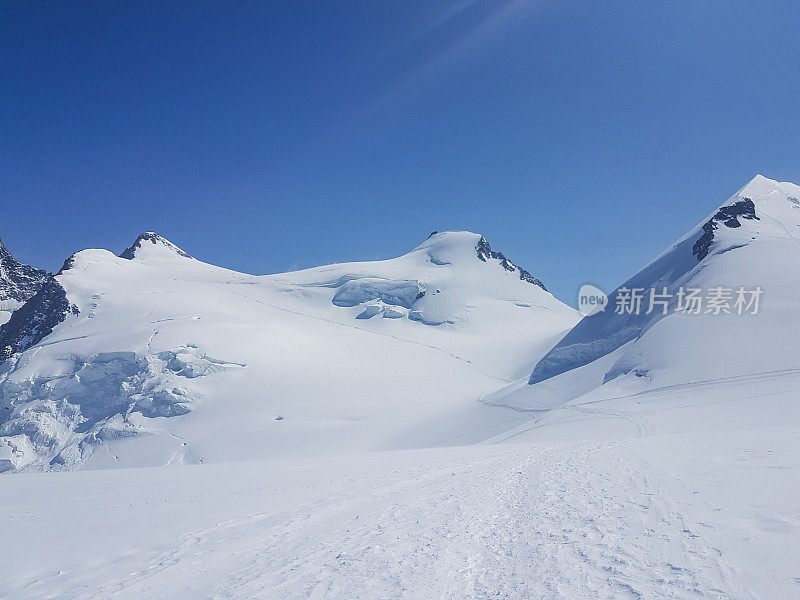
[699, 385]
[554, 522]
[600, 407]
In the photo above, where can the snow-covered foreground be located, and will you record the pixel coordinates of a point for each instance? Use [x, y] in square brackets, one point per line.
[690, 492]
[374, 430]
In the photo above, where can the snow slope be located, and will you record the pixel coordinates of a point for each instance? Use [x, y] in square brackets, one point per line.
[153, 357]
[683, 493]
[657, 459]
[752, 241]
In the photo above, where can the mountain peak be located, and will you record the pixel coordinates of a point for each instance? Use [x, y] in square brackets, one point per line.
[760, 187]
[450, 237]
[150, 242]
[18, 282]
[444, 246]
[744, 243]
[761, 196]
[6, 257]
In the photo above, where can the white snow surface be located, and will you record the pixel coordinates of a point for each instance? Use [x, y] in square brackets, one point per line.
[6, 308]
[683, 493]
[678, 348]
[171, 360]
[414, 460]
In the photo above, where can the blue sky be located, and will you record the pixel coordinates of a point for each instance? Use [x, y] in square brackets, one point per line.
[580, 137]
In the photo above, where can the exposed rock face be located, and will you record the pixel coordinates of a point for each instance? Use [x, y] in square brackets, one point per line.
[485, 252]
[728, 216]
[18, 282]
[153, 238]
[67, 264]
[35, 319]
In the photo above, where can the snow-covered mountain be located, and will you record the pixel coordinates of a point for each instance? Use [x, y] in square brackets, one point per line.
[656, 455]
[18, 283]
[152, 357]
[742, 258]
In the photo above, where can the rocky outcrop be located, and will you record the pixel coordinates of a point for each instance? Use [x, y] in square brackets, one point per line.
[153, 238]
[18, 282]
[728, 216]
[485, 252]
[35, 319]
